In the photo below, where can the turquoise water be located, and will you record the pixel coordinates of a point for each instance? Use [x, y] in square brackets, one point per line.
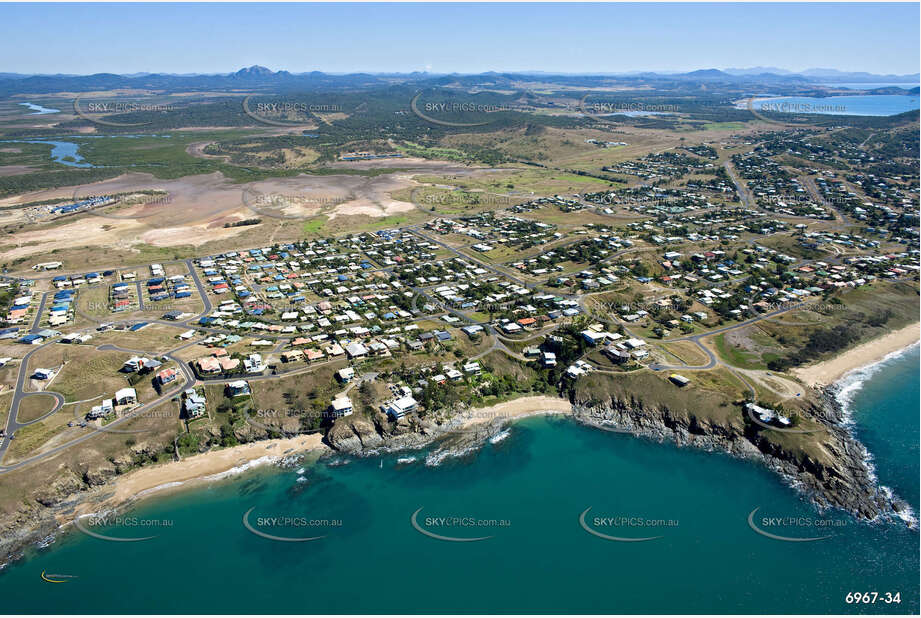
[863, 105]
[531, 488]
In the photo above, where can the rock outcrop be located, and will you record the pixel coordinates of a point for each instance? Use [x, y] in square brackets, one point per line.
[841, 478]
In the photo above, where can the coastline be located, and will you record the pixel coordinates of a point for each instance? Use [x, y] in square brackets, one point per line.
[214, 465]
[514, 409]
[204, 467]
[826, 373]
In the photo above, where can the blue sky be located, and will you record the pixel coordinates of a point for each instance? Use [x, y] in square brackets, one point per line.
[573, 38]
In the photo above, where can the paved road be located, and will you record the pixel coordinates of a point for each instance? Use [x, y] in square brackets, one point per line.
[111, 427]
[201, 288]
[140, 291]
[12, 425]
[36, 322]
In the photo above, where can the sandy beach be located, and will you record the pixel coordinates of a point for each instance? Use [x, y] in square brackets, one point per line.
[827, 372]
[209, 466]
[518, 408]
[199, 468]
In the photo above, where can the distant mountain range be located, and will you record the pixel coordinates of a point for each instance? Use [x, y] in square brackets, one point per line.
[825, 75]
[262, 78]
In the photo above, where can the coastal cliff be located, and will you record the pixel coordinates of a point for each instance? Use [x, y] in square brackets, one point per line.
[841, 478]
[830, 467]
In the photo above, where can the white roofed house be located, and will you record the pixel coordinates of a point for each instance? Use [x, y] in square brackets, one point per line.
[399, 408]
[341, 406]
[237, 388]
[356, 350]
[102, 410]
[126, 396]
[254, 364]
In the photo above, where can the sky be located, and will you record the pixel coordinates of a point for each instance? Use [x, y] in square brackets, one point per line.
[445, 38]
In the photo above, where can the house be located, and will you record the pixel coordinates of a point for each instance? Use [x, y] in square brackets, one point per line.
[341, 406]
[9, 333]
[43, 374]
[126, 396]
[237, 388]
[594, 337]
[135, 363]
[472, 329]
[292, 356]
[313, 354]
[76, 338]
[194, 403]
[356, 350]
[679, 379]
[473, 367]
[102, 410]
[616, 355]
[548, 359]
[345, 374]
[767, 415]
[209, 364]
[166, 376]
[253, 363]
[228, 364]
[399, 408]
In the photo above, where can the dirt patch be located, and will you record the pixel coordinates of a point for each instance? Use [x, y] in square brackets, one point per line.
[783, 387]
[15, 170]
[197, 207]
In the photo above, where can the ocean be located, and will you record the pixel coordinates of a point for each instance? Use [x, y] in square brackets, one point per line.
[527, 492]
[857, 105]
